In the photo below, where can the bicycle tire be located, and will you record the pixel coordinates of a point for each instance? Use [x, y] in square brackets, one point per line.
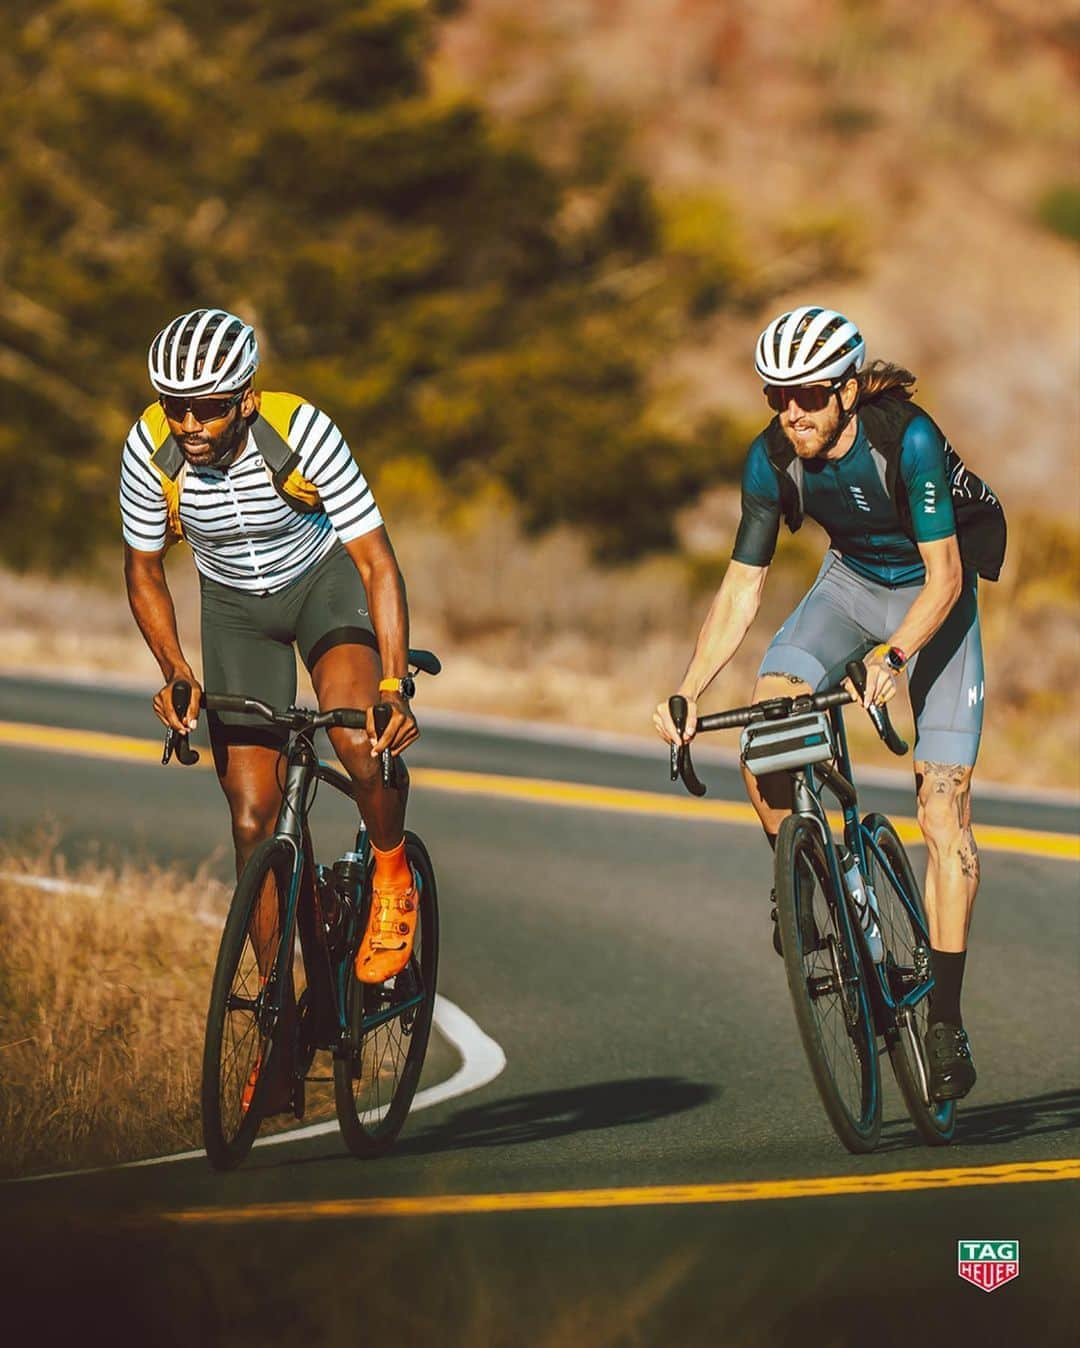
[907, 956]
[233, 1044]
[374, 1085]
[826, 981]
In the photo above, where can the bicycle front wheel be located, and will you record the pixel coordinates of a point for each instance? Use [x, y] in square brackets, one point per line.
[907, 968]
[824, 974]
[389, 1025]
[240, 1041]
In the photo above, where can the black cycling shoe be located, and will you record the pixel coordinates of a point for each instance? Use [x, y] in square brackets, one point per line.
[948, 1055]
[810, 935]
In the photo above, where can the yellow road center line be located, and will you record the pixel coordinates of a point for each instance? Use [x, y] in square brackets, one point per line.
[83, 743]
[1030, 842]
[664, 1195]
[574, 795]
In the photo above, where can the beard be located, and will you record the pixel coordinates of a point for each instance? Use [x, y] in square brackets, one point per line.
[809, 433]
[204, 451]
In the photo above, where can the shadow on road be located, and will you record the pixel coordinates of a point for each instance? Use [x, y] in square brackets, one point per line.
[547, 1114]
[1054, 1112]
[993, 1125]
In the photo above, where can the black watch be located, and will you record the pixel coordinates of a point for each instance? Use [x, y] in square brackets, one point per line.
[406, 686]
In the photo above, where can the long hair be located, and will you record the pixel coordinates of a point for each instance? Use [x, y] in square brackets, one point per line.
[882, 380]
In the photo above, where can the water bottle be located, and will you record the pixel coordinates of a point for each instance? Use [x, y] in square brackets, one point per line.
[339, 894]
[865, 904]
[349, 875]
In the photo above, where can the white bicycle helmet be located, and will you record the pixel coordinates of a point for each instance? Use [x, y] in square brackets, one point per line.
[807, 345]
[204, 351]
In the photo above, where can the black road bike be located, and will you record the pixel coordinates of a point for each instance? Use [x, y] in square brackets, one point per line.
[856, 950]
[284, 985]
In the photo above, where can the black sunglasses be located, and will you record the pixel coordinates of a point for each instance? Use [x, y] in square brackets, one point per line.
[810, 397]
[202, 409]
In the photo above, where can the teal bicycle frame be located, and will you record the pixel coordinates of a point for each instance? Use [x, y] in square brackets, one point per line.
[327, 971]
[862, 845]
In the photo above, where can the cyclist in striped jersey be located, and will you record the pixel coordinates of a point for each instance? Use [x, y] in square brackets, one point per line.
[290, 547]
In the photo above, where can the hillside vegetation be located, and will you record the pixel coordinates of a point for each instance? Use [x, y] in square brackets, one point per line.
[530, 245]
[409, 262]
[913, 167]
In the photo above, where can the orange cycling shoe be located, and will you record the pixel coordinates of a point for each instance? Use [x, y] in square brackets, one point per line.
[388, 942]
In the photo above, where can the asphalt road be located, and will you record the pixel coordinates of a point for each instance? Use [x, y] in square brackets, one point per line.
[623, 964]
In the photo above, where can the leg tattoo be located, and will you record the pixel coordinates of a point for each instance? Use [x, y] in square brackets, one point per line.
[969, 856]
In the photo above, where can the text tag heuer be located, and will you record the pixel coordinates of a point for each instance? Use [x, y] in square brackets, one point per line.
[989, 1264]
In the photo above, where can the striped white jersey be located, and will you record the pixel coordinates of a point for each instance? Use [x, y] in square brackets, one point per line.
[240, 530]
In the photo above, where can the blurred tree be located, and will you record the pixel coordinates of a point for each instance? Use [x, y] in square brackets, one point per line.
[408, 267]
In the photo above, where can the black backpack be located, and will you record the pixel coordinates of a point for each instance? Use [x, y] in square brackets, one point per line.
[980, 520]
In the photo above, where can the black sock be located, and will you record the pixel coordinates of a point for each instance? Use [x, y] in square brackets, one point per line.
[947, 967]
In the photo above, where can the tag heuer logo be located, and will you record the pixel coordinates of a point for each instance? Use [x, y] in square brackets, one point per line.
[988, 1263]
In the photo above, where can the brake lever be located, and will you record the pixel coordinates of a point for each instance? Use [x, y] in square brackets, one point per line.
[681, 765]
[174, 741]
[879, 715]
[381, 715]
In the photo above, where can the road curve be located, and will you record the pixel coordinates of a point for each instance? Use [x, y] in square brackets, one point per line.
[651, 1167]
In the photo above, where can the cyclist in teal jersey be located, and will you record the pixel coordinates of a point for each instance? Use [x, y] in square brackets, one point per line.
[894, 592]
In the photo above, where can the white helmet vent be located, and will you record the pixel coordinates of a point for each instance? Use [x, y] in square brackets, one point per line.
[204, 351]
[808, 345]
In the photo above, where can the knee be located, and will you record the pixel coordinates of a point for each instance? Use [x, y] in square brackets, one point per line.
[251, 823]
[353, 748]
[942, 814]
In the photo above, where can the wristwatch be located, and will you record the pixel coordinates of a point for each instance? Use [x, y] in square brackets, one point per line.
[895, 658]
[405, 686]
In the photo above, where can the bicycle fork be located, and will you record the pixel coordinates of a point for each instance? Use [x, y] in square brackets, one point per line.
[807, 804]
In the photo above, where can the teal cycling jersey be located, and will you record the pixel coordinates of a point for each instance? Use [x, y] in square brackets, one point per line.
[848, 498]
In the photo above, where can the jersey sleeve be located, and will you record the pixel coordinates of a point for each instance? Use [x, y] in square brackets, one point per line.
[922, 467]
[326, 461]
[143, 513]
[759, 526]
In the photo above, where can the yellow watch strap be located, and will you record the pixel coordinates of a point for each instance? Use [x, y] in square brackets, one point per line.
[389, 685]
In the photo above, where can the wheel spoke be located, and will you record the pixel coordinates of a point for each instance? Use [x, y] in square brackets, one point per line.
[824, 980]
[903, 926]
[390, 1026]
[236, 1044]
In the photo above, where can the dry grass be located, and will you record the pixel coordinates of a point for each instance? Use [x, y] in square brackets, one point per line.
[104, 980]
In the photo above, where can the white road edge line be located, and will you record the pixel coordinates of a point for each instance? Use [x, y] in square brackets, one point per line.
[482, 1060]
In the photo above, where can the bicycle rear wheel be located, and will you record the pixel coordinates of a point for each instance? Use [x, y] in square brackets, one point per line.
[389, 1027]
[240, 1045]
[907, 965]
[825, 980]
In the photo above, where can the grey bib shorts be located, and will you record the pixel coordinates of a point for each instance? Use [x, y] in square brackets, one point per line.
[248, 639]
[844, 615]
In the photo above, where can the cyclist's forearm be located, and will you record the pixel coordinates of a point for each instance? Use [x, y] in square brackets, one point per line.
[730, 617]
[153, 610]
[373, 556]
[390, 618]
[929, 611]
[923, 619]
